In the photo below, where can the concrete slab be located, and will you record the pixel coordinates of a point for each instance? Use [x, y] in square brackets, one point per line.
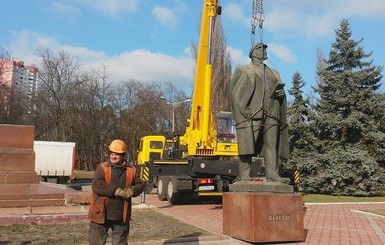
[20, 195]
[252, 186]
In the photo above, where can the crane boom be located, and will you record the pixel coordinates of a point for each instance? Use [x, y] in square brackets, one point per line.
[200, 135]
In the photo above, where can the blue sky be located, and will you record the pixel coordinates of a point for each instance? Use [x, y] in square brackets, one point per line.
[150, 40]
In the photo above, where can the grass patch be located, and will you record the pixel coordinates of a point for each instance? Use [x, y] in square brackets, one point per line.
[318, 198]
[151, 225]
[83, 174]
[145, 226]
[376, 211]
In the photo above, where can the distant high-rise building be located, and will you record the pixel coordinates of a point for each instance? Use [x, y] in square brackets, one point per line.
[20, 78]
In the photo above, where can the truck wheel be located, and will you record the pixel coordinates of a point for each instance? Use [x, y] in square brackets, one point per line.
[161, 188]
[173, 196]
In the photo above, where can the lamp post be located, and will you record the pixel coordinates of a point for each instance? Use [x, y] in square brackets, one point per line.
[174, 104]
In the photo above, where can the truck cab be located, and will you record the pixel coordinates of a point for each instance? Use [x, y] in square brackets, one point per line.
[225, 134]
[151, 148]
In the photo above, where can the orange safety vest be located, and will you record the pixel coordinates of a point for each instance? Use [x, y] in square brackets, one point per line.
[98, 204]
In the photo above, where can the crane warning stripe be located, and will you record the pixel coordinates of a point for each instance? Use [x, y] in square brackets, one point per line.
[145, 174]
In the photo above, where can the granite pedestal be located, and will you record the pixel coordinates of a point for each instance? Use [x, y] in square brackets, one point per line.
[17, 157]
[19, 183]
[256, 214]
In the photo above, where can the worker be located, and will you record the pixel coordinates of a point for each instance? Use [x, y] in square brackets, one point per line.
[114, 184]
[259, 109]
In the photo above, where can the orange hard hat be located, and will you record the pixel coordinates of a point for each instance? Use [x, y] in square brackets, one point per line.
[118, 146]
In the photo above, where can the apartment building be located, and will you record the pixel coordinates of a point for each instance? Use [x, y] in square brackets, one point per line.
[17, 77]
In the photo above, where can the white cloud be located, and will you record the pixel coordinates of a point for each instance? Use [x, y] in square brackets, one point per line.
[141, 65]
[282, 52]
[21, 47]
[187, 51]
[165, 16]
[237, 57]
[87, 56]
[234, 12]
[292, 20]
[69, 11]
[365, 9]
[309, 18]
[111, 8]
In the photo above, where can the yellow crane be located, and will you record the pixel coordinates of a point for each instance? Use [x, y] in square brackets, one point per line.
[204, 159]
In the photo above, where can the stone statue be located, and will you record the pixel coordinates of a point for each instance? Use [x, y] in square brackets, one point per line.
[259, 109]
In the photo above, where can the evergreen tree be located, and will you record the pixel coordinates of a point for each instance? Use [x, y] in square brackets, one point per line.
[300, 119]
[350, 138]
[299, 112]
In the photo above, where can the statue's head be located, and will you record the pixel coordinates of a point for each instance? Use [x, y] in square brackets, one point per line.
[258, 50]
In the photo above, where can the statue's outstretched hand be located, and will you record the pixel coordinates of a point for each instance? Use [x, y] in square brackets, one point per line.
[247, 113]
[278, 94]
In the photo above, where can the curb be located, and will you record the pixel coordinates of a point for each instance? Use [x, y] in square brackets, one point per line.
[42, 219]
[52, 214]
[143, 206]
[179, 240]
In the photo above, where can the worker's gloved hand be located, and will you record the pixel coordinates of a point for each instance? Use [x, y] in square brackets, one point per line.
[119, 192]
[125, 192]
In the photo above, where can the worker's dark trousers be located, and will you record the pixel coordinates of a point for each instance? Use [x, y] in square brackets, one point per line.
[98, 233]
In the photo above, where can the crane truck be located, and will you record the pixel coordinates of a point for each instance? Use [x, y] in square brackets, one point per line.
[204, 160]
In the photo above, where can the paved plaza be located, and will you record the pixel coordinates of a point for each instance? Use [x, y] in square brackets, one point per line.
[330, 223]
[338, 223]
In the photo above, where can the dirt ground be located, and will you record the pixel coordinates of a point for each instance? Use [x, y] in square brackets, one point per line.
[145, 226]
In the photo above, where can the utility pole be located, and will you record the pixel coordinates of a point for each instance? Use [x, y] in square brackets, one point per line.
[174, 104]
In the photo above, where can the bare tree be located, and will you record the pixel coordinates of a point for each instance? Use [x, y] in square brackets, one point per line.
[321, 65]
[221, 72]
[181, 111]
[59, 79]
[146, 114]
[96, 118]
